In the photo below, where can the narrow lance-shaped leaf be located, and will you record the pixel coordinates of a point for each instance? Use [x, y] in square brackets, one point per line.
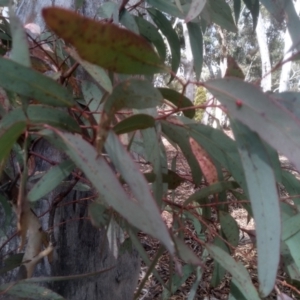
[30, 83]
[139, 188]
[152, 149]
[166, 28]
[30, 291]
[239, 273]
[96, 72]
[150, 32]
[142, 212]
[50, 180]
[7, 139]
[179, 100]
[196, 41]
[261, 113]
[237, 10]
[253, 6]
[20, 51]
[135, 122]
[167, 6]
[133, 93]
[104, 44]
[40, 115]
[219, 12]
[264, 202]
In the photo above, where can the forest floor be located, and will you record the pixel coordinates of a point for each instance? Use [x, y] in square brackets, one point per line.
[245, 252]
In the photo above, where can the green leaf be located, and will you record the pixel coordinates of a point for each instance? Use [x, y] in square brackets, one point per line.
[264, 202]
[135, 122]
[96, 72]
[193, 290]
[276, 8]
[179, 136]
[40, 115]
[29, 290]
[292, 185]
[179, 100]
[50, 180]
[215, 188]
[220, 147]
[219, 12]
[109, 10]
[129, 170]
[290, 100]
[293, 245]
[30, 83]
[7, 139]
[152, 149]
[195, 9]
[237, 270]
[168, 7]
[219, 271]
[133, 93]
[129, 22]
[141, 212]
[261, 113]
[253, 6]
[97, 213]
[290, 227]
[167, 30]
[235, 293]
[230, 228]
[196, 41]
[20, 51]
[150, 32]
[12, 262]
[177, 280]
[237, 10]
[92, 96]
[186, 254]
[104, 44]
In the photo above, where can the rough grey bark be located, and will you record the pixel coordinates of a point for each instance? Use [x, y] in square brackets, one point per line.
[80, 247]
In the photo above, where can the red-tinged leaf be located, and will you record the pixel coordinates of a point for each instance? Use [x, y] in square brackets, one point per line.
[105, 44]
[207, 166]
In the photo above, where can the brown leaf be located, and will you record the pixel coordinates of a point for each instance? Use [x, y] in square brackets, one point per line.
[207, 166]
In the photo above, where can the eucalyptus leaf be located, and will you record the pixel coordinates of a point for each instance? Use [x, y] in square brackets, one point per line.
[40, 115]
[29, 83]
[239, 273]
[50, 180]
[166, 28]
[125, 53]
[264, 202]
[141, 212]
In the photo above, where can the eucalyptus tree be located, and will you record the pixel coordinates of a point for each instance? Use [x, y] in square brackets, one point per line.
[78, 110]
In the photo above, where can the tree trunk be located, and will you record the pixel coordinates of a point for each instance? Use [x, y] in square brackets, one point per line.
[80, 247]
[266, 79]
